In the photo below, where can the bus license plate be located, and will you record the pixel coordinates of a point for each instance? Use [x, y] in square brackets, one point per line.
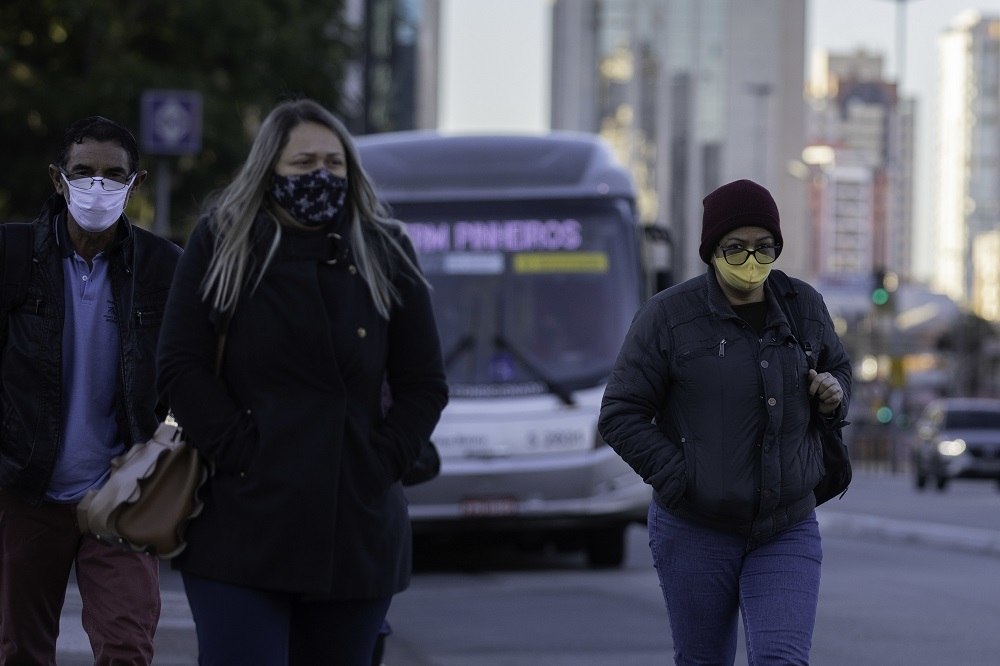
[489, 507]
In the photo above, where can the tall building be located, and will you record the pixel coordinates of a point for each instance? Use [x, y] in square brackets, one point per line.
[860, 167]
[391, 81]
[692, 94]
[968, 162]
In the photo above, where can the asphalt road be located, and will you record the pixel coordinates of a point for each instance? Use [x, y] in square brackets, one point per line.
[905, 573]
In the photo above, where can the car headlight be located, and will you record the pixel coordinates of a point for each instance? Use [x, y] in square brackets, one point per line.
[951, 447]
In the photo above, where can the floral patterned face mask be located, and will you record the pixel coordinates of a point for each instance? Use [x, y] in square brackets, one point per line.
[313, 199]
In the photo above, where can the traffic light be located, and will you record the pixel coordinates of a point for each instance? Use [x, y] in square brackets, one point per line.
[884, 285]
[880, 296]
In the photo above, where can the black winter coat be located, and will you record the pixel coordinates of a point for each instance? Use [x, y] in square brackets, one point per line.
[141, 269]
[305, 497]
[716, 418]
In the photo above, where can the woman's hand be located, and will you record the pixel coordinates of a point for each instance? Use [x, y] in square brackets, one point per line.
[827, 390]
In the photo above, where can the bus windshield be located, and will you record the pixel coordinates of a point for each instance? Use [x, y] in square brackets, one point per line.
[530, 297]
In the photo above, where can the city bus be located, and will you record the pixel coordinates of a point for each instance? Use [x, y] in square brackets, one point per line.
[534, 253]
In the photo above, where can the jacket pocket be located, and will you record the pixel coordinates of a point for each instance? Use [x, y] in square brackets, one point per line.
[702, 364]
[678, 486]
[148, 313]
[375, 477]
[34, 304]
[237, 449]
[146, 319]
[696, 352]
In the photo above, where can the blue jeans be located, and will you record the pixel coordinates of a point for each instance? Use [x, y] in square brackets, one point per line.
[708, 579]
[243, 625]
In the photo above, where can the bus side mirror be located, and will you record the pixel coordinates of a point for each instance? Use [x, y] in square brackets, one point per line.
[657, 247]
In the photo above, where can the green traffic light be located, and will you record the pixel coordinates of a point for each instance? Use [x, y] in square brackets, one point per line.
[883, 414]
[880, 296]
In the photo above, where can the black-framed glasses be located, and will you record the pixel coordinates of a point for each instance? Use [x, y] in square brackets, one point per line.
[87, 182]
[737, 255]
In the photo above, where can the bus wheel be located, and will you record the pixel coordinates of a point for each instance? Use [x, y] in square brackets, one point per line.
[606, 547]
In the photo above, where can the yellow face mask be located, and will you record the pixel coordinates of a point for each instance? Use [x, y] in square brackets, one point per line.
[747, 277]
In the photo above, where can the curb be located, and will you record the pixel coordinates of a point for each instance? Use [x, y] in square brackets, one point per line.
[967, 539]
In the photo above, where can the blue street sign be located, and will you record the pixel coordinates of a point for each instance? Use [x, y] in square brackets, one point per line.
[171, 122]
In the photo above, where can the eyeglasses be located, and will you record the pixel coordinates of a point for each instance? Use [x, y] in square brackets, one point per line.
[87, 182]
[737, 255]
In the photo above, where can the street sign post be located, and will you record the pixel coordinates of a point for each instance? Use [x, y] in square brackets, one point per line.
[170, 123]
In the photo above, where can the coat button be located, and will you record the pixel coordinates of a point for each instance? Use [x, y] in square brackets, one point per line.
[763, 364]
[362, 332]
[352, 269]
[772, 402]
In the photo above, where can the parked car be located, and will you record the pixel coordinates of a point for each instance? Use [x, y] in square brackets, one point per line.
[957, 438]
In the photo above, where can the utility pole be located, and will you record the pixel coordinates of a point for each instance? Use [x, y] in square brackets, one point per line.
[900, 39]
[897, 380]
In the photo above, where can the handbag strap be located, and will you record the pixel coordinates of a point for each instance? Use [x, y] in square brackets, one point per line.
[220, 319]
[219, 351]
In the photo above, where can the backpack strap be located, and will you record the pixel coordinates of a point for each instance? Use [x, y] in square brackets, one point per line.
[16, 240]
[789, 303]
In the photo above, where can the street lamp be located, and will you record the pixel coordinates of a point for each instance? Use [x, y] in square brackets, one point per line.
[901, 41]
[760, 92]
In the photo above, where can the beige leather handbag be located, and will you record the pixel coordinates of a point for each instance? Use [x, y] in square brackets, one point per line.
[150, 496]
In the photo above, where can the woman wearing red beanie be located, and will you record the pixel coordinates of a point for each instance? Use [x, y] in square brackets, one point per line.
[719, 399]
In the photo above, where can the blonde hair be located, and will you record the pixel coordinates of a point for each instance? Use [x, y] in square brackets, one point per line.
[234, 209]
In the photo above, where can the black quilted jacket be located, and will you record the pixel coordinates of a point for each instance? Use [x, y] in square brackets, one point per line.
[717, 418]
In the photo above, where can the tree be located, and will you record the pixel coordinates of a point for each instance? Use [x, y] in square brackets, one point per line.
[60, 61]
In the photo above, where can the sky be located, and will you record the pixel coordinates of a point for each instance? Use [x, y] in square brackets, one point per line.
[494, 50]
[501, 48]
[845, 25]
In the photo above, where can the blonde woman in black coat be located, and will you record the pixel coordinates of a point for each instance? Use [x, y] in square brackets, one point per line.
[304, 537]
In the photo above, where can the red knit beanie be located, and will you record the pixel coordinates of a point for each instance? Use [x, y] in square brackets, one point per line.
[742, 203]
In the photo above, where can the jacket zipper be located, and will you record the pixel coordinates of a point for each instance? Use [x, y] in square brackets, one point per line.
[722, 348]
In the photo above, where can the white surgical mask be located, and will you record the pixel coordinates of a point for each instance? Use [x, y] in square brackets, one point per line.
[96, 209]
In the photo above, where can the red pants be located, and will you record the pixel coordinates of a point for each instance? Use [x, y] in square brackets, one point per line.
[119, 589]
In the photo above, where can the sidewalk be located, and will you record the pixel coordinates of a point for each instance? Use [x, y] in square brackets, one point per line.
[971, 539]
[882, 505]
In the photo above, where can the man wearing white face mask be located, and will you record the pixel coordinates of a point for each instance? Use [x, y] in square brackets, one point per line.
[95, 209]
[720, 398]
[77, 388]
